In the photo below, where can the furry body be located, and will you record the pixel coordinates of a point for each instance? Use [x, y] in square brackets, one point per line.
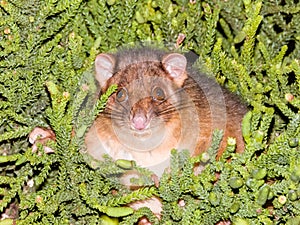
[161, 103]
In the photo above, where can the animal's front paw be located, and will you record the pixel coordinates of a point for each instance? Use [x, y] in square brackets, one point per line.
[42, 136]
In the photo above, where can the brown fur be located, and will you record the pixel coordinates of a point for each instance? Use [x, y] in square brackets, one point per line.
[143, 129]
[194, 106]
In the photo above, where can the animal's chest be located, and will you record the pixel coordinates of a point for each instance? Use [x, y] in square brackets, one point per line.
[150, 148]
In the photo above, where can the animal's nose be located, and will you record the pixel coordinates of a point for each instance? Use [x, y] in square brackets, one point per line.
[139, 121]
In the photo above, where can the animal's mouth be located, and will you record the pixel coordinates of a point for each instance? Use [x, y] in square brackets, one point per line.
[142, 134]
[140, 127]
[145, 127]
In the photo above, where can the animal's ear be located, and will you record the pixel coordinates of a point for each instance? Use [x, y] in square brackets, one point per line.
[175, 64]
[104, 66]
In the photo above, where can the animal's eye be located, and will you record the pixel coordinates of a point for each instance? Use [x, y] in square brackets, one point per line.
[158, 94]
[122, 95]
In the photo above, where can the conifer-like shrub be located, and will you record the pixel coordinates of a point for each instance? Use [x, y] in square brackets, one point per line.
[47, 51]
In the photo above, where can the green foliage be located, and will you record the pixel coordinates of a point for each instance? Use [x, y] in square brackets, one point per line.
[47, 50]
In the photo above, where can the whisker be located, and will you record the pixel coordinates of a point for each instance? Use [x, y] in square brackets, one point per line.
[115, 109]
[174, 93]
[179, 105]
[113, 114]
[124, 107]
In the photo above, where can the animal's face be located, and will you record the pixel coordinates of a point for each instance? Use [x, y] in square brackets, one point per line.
[146, 98]
[145, 110]
[150, 113]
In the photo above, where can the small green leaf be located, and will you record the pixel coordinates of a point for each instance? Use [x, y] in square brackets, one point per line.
[246, 126]
[234, 207]
[240, 221]
[118, 211]
[263, 194]
[214, 198]
[236, 182]
[125, 164]
[105, 220]
[259, 173]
